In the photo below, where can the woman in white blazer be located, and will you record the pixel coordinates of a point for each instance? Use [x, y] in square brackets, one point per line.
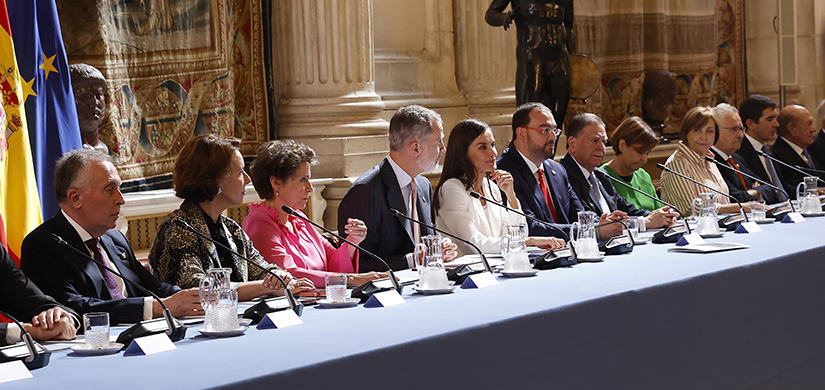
[470, 165]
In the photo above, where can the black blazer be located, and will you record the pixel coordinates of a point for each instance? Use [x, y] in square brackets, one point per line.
[817, 149]
[614, 200]
[790, 178]
[388, 236]
[531, 198]
[19, 296]
[746, 156]
[735, 187]
[77, 281]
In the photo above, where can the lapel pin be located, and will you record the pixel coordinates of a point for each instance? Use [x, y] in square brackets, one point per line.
[123, 256]
[554, 171]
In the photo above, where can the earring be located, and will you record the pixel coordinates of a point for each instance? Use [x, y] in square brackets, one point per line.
[219, 191]
[277, 192]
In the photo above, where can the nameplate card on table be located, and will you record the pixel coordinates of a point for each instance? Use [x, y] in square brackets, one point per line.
[280, 319]
[794, 217]
[690, 239]
[385, 299]
[748, 227]
[13, 370]
[148, 345]
[484, 279]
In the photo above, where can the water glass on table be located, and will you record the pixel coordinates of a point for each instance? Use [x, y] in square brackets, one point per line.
[336, 288]
[223, 316]
[633, 227]
[758, 210]
[96, 328]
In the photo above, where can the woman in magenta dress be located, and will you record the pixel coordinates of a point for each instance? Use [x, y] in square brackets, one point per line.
[281, 174]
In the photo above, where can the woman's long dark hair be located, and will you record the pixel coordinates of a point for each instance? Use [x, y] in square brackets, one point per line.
[456, 164]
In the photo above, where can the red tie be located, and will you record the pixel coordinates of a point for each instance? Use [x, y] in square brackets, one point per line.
[108, 276]
[735, 165]
[547, 197]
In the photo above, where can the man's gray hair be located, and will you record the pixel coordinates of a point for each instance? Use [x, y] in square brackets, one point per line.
[723, 109]
[411, 123]
[72, 170]
[579, 122]
[820, 111]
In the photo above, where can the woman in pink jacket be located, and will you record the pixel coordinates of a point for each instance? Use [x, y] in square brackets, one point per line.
[281, 174]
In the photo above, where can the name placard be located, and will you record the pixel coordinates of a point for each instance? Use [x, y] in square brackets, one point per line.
[385, 299]
[484, 279]
[280, 319]
[13, 370]
[148, 345]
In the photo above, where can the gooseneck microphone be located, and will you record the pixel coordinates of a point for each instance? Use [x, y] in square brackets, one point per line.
[664, 168]
[774, 159]
[143, 328]
[519, 212]
[32, 356]
[392, 278]
[615, 180]
[808, 169]
[483, 258]
[256, 312]
[752, 177]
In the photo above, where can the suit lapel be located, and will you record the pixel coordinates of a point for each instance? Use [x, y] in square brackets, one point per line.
[92, 271]
[578, 182]
[528, 178]
[423, 203]
[394, 197]
[120, 259]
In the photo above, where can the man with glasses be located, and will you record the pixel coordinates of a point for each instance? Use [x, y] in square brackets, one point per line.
[541, 184]
[586, 140]
[731, 134]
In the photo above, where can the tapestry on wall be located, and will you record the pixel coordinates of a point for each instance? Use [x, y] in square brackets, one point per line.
[176, 69]
[635, 37]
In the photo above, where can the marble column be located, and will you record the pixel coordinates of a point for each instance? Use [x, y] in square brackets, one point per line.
[326, 83]
[486, 67]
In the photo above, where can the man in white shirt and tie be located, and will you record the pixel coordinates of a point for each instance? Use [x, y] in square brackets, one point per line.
[758, 115]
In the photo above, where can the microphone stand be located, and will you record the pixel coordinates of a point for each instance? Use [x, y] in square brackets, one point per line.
[565, 256]
[392, 277]
[728, 221]
[774, 159]
[33, 355]
[685, 224]
[752, 177]
[143, 328]
[258, 311]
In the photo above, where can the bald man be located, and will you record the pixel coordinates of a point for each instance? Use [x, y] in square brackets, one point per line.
[817, 149]
[796, 133]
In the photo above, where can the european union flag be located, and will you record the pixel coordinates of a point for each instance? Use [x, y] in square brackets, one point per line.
[47, 90]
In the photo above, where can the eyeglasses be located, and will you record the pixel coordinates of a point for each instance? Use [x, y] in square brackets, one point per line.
[736, 128]
[545, 130]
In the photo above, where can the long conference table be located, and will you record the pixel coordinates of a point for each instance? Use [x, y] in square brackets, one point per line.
[651, 319]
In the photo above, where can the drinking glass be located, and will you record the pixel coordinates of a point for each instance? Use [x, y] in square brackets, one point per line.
[336, 287]
[96, 328]
[758, 210]
[223, 315]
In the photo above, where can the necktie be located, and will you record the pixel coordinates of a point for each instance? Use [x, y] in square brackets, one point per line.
[596, 194]
[416, 229]
[772, 173]
[735, 165]
[108, 276]
[547, 197]
[807, 157]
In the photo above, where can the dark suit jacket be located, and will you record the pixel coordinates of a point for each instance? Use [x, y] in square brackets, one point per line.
[746, 156]
[390, 237]
[817, 149]
[582, 188]
[77, 281]
[790, 178]
[19, 296]
[532, 200]
[735, 186]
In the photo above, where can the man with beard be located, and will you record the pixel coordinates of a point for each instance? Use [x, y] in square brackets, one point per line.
[541, 184]
[416, 144]
[89, 88]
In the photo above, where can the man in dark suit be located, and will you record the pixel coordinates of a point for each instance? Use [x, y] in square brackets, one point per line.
[416, 144]
[758, 115]
[20, 298]
[586, 140]
[817, 148]
[796, 133]
[529, 158]
[87, 189]
[731, 134]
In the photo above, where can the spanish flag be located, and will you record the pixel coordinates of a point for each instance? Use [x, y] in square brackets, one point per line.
[19, 200]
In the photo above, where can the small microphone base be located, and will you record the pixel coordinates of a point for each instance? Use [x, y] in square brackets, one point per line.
[20, 352]
[460, 274]
[259, 310]
[778, 213]
[731, 222]
[366, 290]
[555, 259]
[670, 235]
[150, 327]
[616, 245]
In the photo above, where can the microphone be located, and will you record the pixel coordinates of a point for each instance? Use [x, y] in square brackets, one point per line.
[767, 183]
[672, 233]
[33, 355]
[728, 221]
[553, 259]
[143, 328]
[362, 291]
[259, 310]
[807, 169]
[774, 159]
[460, 273]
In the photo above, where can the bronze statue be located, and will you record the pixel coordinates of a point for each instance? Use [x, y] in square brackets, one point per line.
[544, 30]
[658, 94]
[89, 88]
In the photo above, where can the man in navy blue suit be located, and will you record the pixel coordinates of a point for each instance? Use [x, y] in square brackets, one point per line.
[796, 131]
[87, 187]
[538, 180]
[416, 144]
